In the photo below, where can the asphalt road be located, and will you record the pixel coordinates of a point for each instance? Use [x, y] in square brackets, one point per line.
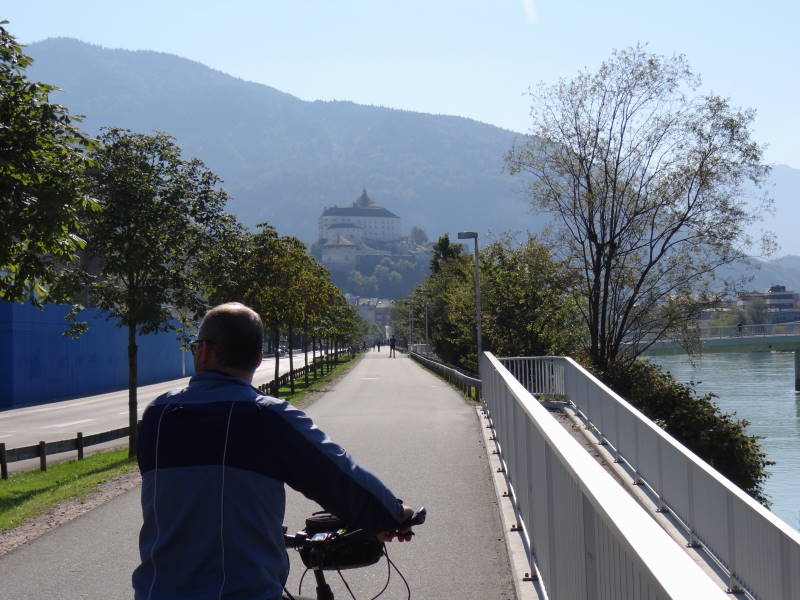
[94, 414]
[398, 420]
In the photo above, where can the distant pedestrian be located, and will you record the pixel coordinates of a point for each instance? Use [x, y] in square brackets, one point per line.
[379, 345]
[392, 344]
[739, 328]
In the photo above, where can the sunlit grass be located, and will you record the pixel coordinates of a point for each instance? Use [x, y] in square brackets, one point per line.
[315, 384]
[25, 495]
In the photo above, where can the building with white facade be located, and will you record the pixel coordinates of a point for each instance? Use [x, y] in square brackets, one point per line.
[364, 218]
[364, 227]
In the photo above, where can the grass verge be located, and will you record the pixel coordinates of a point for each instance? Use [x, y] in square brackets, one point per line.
[301, 390]
[25, 495]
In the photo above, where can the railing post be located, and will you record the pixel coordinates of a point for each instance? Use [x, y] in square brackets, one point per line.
[79, 443]
[797, 370]
[42, 456]
[3, 463]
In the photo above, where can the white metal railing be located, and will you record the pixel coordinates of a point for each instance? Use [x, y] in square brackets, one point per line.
[729, 331]
[543, 376]
[760, 552]
[734, 331]
[587, 537]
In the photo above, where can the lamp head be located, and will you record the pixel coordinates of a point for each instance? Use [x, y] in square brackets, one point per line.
[467, 235]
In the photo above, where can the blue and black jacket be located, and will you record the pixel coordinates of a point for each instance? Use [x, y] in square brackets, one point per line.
[214, 458]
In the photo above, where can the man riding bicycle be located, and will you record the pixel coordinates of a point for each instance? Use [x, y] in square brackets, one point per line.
[214, 458]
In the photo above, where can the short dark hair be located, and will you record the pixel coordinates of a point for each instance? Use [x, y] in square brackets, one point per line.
[237, 333]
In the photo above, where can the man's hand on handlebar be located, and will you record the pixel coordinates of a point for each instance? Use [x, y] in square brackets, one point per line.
[404, 532]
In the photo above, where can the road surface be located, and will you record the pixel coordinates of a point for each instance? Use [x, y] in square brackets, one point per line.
[401, 422]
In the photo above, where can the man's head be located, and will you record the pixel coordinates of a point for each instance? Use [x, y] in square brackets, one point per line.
[230, 340]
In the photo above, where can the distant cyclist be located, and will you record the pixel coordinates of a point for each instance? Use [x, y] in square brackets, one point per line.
[392, 344]
[214, 458]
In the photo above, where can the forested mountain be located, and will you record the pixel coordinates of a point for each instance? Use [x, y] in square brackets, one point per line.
[284, 159]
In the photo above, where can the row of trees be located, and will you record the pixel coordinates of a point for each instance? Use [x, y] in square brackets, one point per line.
[649, 186]
[124, 223]
[528, 303]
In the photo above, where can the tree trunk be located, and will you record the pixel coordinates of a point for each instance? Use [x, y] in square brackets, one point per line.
[305, 355]
[314, 355]
[291, 361]
[275, 385]
[133, 409]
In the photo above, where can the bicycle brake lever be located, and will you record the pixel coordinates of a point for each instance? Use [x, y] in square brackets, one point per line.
[418, 518]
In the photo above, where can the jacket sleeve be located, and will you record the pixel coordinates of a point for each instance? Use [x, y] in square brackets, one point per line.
[323, 471]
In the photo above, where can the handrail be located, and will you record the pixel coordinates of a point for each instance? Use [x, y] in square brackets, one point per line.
[587, 536]
[469, 385]
[759, 551]
[736, 331]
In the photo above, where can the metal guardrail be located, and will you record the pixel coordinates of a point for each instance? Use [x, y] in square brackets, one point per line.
[470, 386]
[730, 331]
[587, 537]
[735, 331]
[44, 449]
[760, 552]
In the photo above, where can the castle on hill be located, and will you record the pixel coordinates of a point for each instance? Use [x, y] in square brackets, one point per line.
[347, 235]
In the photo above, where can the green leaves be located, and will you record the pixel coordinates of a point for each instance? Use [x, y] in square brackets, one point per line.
[157, 231]
[43, 196]
[277, 277]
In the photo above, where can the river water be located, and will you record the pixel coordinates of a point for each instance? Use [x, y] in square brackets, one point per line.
[759, 387]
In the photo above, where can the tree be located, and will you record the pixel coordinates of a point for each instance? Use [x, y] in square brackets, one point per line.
[645, 181]
[528, 304]
[449, 297]
[315, 291]
[443, 250]
[418, 236]
[42, 192]
[160, 215]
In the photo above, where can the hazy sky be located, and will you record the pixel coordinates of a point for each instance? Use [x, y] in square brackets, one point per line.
[473, 58]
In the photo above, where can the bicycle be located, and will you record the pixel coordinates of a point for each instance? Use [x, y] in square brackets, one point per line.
[327, 544]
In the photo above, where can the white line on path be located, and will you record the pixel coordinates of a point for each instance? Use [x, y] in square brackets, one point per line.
[68, 424]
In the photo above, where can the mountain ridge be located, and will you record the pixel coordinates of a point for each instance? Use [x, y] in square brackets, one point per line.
[284, 159]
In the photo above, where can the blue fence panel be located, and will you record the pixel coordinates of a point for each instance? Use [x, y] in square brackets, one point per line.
[38, 364]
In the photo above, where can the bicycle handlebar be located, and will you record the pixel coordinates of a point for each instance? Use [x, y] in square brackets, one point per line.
[418, 518]
[337, 547]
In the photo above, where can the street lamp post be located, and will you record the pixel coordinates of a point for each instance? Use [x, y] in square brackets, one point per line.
[472, 235]
[411, 318]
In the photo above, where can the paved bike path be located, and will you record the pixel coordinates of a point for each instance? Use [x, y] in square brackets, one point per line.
[399, 421]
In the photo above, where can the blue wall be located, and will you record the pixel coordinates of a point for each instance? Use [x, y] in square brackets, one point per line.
[38, 364]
